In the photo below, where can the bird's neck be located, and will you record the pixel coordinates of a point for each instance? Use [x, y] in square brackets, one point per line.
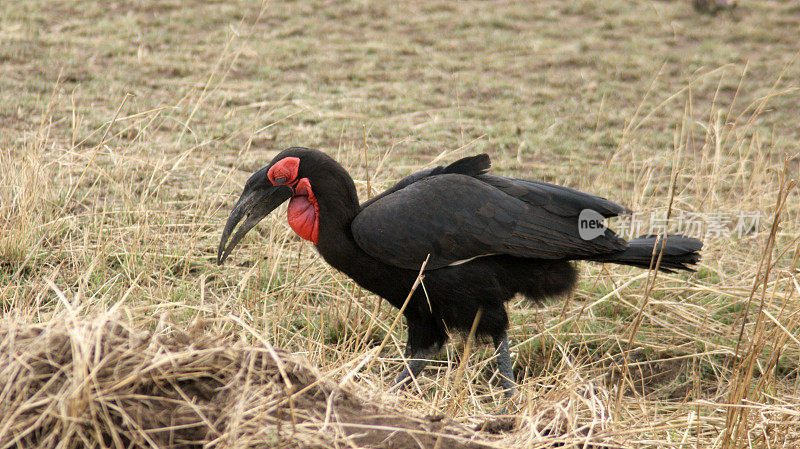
[337, 209]
[338, 206]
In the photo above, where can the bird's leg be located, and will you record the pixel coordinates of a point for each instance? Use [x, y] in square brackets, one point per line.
[415, 362]
[426, 336]
[504, 365]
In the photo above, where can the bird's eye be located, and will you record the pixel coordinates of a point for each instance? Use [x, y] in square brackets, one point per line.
[284, 171]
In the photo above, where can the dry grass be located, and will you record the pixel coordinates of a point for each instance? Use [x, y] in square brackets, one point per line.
[128, 129]
[101, 382]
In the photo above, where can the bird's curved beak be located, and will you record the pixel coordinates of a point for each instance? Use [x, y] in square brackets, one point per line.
[255, 205]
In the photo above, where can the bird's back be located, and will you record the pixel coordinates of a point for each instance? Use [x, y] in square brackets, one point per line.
[452, 214]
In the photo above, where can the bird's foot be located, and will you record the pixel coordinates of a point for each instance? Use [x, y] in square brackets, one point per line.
[407, 377]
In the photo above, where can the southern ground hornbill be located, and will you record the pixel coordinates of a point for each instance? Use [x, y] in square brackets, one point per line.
[486, 238]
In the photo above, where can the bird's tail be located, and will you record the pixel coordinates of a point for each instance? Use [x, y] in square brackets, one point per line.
[643, 252]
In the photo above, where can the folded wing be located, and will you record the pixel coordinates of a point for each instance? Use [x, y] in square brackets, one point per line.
[452, 217]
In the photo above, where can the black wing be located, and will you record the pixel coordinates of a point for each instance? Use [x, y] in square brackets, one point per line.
[470, 166]
[455, 217]
[559, 200]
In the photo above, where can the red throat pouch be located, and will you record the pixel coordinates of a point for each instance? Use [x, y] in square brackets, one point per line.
[303, 212]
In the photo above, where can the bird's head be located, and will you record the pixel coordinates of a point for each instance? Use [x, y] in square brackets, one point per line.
[301, 175]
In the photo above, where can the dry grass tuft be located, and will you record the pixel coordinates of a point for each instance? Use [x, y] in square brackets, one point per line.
[101, 382]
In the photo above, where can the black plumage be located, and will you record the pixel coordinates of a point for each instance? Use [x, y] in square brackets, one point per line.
[486, 238]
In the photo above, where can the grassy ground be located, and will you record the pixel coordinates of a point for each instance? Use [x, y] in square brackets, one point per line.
[128, 129]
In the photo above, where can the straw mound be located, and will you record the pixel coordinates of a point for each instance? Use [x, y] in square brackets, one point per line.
[102, 383]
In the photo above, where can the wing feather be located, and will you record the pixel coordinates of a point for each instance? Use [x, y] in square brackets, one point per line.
[454, 217]
[470, 166]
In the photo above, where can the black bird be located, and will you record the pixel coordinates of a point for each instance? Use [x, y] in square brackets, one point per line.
[486, 238]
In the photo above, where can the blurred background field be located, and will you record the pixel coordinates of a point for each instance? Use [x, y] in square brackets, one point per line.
[127, 129]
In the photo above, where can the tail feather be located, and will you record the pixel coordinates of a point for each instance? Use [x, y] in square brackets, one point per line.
[643, 252]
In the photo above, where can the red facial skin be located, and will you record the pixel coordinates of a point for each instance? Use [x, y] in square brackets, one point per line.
[284, 171]
[303, 211]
